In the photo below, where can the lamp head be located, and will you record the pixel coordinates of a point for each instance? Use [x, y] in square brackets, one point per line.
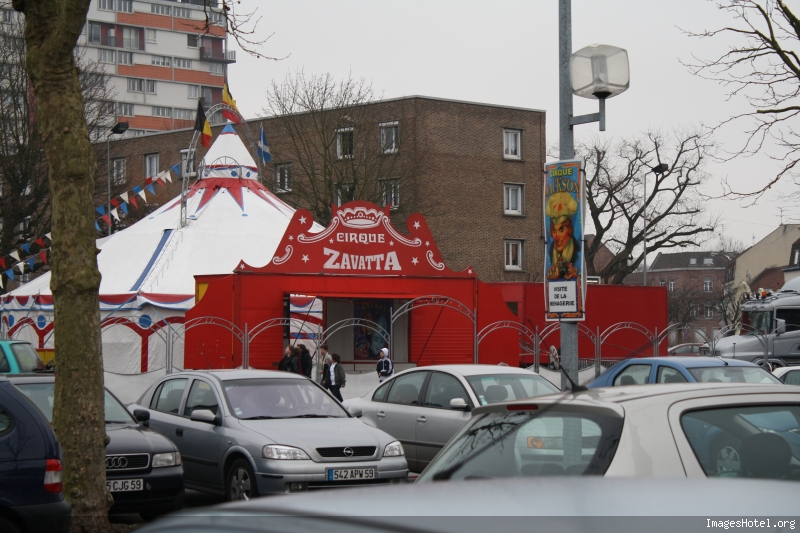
[660, 168]
[599, 71]
[119, 128]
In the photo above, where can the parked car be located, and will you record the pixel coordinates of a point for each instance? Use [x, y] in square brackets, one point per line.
[247, 433]
[679, 369]
[18, 357]
[143, 469]
[788, 374]
[676, 430]
[504, 506]
[690, 348]
[30, 468]
[424, 407]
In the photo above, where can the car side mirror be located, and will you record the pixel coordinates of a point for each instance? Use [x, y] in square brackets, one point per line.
[204, 415]
[459, 404]
[781, 329]
[142, 416]
[356, 412]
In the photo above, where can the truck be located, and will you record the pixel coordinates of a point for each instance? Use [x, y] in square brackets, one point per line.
[776, 318]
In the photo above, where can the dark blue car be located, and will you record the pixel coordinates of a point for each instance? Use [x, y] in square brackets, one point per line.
[648, 370]
[30, 468]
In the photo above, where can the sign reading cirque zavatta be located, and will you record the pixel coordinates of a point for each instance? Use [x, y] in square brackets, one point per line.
[564, 286]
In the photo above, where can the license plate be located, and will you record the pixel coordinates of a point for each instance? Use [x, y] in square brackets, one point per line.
[347, 474]
[124, 485]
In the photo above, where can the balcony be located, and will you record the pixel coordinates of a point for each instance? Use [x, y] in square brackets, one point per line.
[222, 56]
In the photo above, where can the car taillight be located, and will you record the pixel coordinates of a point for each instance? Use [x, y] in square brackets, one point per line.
[52, 476]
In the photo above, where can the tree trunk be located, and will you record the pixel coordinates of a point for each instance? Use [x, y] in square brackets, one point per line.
[51, 33]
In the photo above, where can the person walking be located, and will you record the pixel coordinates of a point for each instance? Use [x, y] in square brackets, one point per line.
[337, 376]
[326, 368]
[296, 367]
[385, 367]
[305, 360]
[286, 363]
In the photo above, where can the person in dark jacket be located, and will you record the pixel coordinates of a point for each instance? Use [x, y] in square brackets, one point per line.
[286, 362]
[326, 367]
[297, 367]
[385, 367]
[305, 360]
[337, 376]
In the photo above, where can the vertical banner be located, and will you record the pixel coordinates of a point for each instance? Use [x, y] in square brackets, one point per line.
[367, 341]
[564, 269]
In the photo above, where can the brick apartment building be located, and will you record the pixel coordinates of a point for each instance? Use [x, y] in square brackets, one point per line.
[479, 180]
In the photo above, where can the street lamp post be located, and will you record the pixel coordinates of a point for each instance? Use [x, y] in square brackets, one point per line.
[119, 129]
[658, 169]
[597, 71]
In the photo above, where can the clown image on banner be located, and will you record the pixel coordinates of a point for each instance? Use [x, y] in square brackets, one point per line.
[563, 222]
[368, 341]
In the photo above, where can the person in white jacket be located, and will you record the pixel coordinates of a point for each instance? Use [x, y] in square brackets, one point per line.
[385, 367]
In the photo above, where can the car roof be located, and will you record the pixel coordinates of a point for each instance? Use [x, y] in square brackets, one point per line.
[475, 370]
[781, 370]
[32, 378]
[694, 361]
[239, 373]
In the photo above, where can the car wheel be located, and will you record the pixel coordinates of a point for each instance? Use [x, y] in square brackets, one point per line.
[725, 456]
[241, 481]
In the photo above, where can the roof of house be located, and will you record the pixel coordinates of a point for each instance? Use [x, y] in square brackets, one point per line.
[769, 278]
[681, 260]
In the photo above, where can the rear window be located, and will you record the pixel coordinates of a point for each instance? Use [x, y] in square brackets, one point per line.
[27, 358]
[529, 443]
[507, 387]
[733, 374]
[746, 441]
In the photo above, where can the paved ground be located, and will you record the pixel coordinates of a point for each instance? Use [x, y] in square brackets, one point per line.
[193, 500]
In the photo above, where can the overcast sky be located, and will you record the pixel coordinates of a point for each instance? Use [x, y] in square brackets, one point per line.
[505, 53]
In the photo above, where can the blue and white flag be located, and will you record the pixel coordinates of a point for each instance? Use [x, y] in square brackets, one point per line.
[263, 146]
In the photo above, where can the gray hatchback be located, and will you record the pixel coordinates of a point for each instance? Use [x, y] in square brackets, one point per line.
[246, 433]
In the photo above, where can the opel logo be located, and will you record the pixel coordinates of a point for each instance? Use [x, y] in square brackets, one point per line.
[348, 452]
[117, 462]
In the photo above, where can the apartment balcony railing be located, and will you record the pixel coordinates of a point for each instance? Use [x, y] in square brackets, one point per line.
[218, 55]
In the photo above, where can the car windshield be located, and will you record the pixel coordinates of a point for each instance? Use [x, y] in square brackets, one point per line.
[746, 441]
[733, 374]
[759, 320]
[27, 358]
[529, 443]
[280, 398]
[41, 394]
[493, 388]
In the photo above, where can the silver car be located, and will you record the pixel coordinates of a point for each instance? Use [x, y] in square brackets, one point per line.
[424, 407]
[247, 433]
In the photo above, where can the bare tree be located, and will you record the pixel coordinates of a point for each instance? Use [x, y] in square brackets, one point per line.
[619, 209]
[336, 147]
[762, 66]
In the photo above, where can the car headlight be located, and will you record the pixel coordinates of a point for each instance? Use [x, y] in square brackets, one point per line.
[166, 459]
[276, 451]
[393, 449]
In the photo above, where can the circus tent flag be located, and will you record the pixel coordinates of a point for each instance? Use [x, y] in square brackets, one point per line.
[263, 146]
[201, 124]
[227, 98]
[15, 255]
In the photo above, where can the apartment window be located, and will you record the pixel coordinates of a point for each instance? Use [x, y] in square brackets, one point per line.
[125, 58]
[124, 110]
[512, 202]
[671, 285]
[192, 41]
[135, 133]
[797, 257]
[150, 86]
[216, 18]
[708, 285]
[661, 283]
[94, 33]
[693, 311]
[345, 143]
[161, 61]
[150, 35]
[184, 114]
[159, 10]
[194, 91]
[118, 176]
[708, 261]
[217, 69]
[186, 165]
[389, 137]
[391, 192]
[125, 6]
[345, 192]
[105, 56]
[135, 85]
[709, 312]
[182, 12]
[130, 38]
[162, 111]
[151, 165]
[513, 260]
[283, 177]
[183, 63]
[693, 261]
[512, 144]
[105, 5]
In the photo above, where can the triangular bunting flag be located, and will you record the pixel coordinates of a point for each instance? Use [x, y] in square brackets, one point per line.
[27, 248]
[161, 182]
[115, 202]
[115, 213]
[142, 194]
[97, 226]
[15, 255]
[151, 189]
[148, 181]
[43, 256]
[101, 209]
[176, 168]
[133, 201]
[137, 189]
[124, 207]
[168, 175]
[3, 262]
[40, 242]
[1, 283]
[10, 274]
[21, 267]
[107, 219]
[49, 236]
[124, 197]
[31, 263]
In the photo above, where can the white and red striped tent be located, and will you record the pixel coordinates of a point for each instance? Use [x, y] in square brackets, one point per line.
[148, 269]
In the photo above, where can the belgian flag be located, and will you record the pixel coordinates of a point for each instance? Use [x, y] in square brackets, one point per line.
[201, 124]
[228, 99]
